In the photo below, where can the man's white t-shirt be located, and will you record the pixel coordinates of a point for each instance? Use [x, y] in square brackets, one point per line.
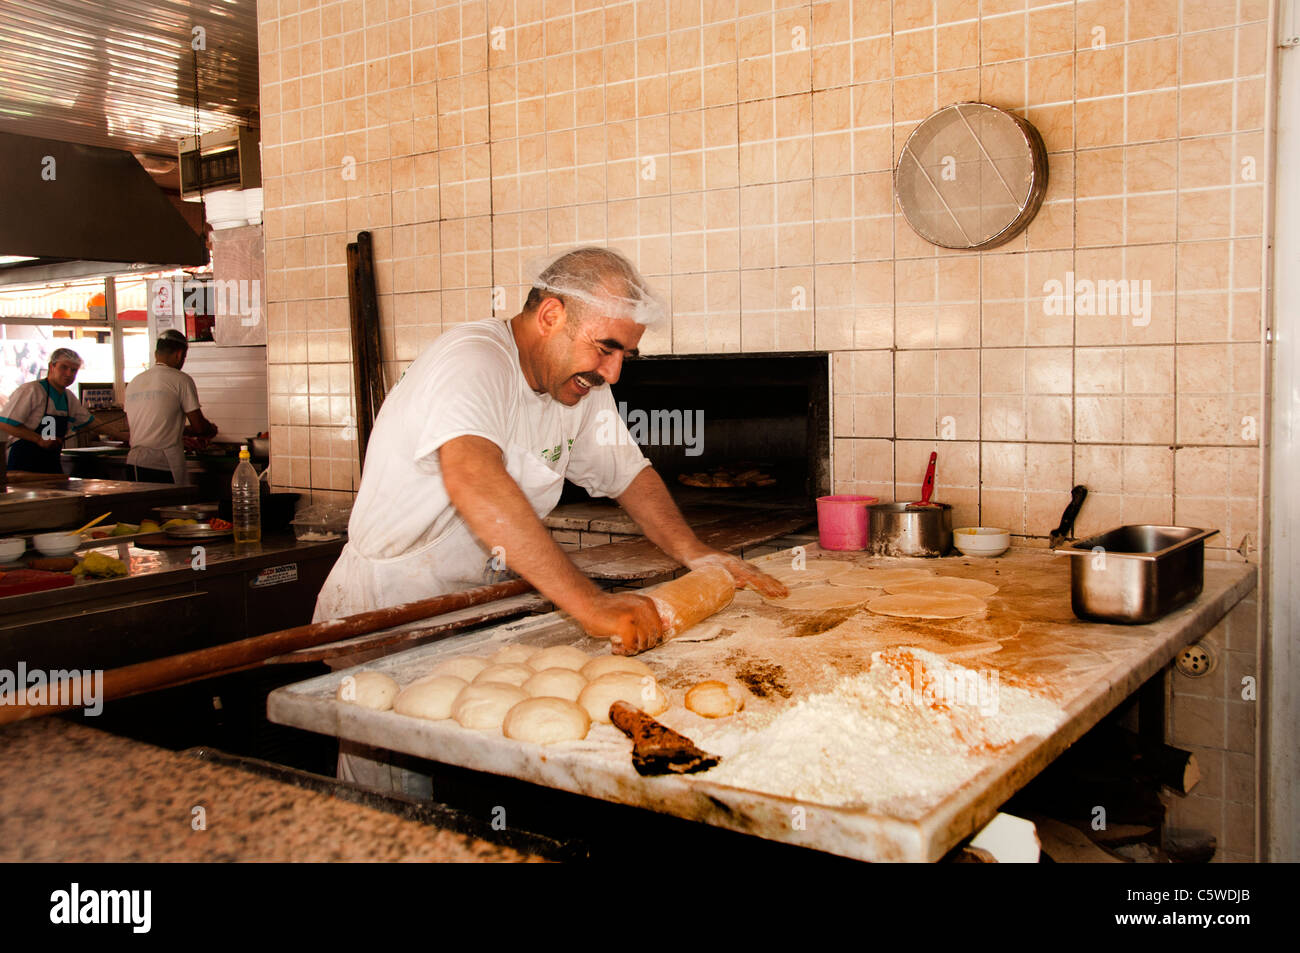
[30, 403]
[157, 401]
[469, 382]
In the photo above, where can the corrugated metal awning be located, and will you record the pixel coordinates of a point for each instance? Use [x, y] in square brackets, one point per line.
[122, 74]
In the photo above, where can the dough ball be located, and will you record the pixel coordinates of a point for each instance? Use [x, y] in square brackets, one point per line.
[466, 667]
[430, 697]
[949, 585]
[512, 673]
[639, 690]
[373, 690]
[556, 683]
[515, 653]
[544, 721]
[614, 663]
[483, 706]
[560, 656]
[714, 699]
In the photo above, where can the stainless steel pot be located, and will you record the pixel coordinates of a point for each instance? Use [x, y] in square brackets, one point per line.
[894, 529]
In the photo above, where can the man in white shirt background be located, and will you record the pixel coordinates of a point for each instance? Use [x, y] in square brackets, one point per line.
[160, 402]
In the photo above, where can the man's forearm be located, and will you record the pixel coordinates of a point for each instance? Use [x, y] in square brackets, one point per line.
[22, 433]
[647, 501]
[499, 514]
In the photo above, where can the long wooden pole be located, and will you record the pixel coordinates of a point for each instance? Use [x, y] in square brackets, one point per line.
[223, 659]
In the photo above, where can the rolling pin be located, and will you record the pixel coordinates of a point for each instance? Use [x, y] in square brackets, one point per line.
[688, 599]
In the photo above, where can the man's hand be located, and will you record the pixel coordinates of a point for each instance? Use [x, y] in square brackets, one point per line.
[48, 443]
[742, 572]
[629, 621]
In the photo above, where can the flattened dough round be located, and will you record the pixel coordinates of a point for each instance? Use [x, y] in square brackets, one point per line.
[556, 683]
[614, 663]
[430, 698]
[639, 690]
[814, 570]
[714, 699]
[949, 585]
[544, 721]
[512, 673]
[483, 706]
[822, 597]
[926, 605]
[466, 667]
[560, 656]
[515, 653]
[373, 690]
[880, 578]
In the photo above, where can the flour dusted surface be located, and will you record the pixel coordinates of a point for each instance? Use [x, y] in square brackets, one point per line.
[897, 738]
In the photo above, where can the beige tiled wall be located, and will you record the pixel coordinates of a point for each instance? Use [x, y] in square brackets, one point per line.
[741, 152]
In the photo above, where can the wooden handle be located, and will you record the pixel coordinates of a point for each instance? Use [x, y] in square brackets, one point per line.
[223, 659]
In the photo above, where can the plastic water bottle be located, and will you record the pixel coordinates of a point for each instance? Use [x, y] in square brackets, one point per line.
[246, 500]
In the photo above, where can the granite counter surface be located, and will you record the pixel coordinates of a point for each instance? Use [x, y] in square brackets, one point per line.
[71, 793]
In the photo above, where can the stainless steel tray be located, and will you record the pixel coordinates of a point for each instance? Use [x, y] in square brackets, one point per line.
[1135, 574]
[195, 531]
[198, 511]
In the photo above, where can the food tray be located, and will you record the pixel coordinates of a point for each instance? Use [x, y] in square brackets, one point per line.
[196, 531]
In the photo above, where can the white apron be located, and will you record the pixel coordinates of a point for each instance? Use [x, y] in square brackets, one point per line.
[453, 561]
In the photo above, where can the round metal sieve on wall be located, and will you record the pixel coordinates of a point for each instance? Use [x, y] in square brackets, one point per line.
[971, 176]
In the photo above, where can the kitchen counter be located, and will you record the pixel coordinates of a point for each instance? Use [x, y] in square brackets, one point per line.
[71, 793]
[127, 500]
[150, 567]
[1027, 641]
[169, 602]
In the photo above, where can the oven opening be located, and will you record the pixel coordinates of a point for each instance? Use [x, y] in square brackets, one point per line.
[730, 429]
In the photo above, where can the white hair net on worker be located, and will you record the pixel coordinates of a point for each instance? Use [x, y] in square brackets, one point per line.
[600, 278]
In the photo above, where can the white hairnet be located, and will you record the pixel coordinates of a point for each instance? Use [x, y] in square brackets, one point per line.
[602, 279]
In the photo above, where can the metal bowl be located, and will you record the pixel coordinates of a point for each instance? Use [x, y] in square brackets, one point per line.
[190, 511]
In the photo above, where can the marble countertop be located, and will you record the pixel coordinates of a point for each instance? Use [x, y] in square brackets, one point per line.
[1028, 636]
[71, 793]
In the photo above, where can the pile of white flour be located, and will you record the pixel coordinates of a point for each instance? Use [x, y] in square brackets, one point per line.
[897, 738]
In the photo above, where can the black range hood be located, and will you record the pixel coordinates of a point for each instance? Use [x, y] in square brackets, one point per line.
[66, 203]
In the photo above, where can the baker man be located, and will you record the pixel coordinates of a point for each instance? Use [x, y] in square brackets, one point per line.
[39, 414]
[473, 445]
[160, 402]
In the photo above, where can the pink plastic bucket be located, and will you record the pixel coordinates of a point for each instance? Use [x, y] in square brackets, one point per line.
[842, 521]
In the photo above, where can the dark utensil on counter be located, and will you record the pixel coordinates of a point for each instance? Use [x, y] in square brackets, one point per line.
[903, 529]
[656, 748]
[247, 653]
[927, 486]
[1135, 574]
[1066, 529]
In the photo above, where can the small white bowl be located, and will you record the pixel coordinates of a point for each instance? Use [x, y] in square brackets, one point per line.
[56, 544]
[11, 549]
[981, 540]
